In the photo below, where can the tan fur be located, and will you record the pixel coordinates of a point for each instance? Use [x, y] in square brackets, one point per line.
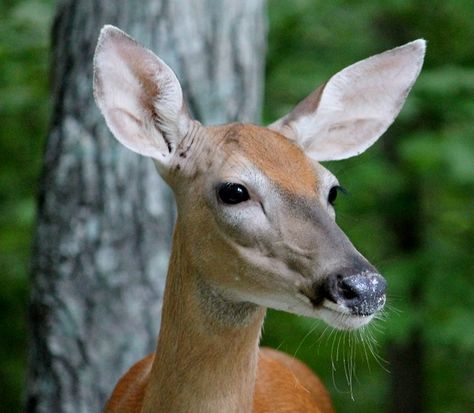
[280, 159]
[283, 385]
[128, 394]
[273, 244]
[211, 364]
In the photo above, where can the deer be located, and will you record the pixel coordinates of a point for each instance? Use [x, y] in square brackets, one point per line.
[255, 228]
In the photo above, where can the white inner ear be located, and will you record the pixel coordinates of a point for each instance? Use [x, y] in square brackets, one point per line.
[139, 96]
[141, 134]
[356, 105]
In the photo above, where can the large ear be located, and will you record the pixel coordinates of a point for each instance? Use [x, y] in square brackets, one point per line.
[139, 96]
[348, 114]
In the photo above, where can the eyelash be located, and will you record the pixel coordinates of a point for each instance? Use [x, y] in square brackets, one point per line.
[332, 195]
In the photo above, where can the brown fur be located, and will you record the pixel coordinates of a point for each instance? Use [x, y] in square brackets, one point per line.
[213, 363]
[283, 385]
[229, 262]
[279, 158]
[211, 360]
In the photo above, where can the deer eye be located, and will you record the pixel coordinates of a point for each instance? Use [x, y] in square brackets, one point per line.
[333, 193]
[231, 193]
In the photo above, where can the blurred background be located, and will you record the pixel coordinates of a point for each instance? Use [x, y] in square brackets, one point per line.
[409, 208]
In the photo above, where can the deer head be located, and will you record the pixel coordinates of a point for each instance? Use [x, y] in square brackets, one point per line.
[256, 222]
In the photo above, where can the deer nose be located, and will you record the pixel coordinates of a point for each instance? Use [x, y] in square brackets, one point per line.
[363, 294]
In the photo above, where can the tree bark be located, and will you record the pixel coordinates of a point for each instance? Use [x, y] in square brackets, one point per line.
[105, 217]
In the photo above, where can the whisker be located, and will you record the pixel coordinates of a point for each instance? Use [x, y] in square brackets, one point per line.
[364, 347]
[348, 346]
[304, 338]
[372, 346]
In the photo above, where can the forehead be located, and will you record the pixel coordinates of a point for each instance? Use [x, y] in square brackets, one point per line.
[283, 162]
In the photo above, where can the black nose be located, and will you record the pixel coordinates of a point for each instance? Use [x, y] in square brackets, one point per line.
[363, 294]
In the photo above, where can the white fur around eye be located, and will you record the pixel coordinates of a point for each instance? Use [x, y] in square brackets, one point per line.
[326, 181]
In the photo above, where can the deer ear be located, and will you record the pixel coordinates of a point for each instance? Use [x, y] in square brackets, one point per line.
[139, 96]
[355, 107]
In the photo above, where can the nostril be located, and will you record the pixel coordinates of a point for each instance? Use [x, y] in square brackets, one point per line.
[339, 288]
[363, 293]
[347, 290]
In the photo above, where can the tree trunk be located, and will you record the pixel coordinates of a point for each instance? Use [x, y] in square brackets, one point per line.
[105, 217]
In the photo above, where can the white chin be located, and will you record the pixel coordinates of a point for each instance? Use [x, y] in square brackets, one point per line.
[342, 320]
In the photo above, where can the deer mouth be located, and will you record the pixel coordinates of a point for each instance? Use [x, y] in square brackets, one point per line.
[343, 320]
[362, 308]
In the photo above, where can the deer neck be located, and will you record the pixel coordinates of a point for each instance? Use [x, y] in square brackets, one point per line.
[207, 351]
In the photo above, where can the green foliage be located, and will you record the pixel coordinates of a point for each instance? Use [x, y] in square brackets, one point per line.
[24, 28]
[411, 209]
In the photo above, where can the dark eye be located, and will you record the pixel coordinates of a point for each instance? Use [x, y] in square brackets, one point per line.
[231, 193]
[333, 193]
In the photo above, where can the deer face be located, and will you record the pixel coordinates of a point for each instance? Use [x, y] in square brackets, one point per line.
[254, 204]
[258, 213]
